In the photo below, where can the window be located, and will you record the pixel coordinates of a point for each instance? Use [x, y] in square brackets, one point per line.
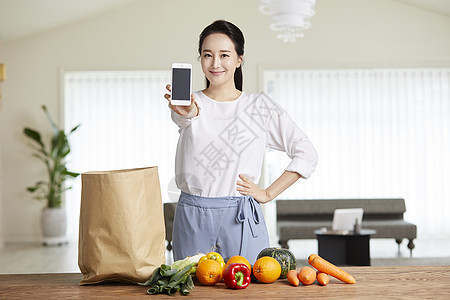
[379, 133]
[125, 123]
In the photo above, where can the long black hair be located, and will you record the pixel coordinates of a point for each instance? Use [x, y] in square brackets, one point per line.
[235, 34]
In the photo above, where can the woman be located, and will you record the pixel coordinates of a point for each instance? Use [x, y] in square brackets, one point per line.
[223, 137]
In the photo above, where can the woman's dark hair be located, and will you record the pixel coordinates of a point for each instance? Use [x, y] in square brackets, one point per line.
[235, 34]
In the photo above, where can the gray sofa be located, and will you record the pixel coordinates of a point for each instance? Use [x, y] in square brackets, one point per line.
[297, 219]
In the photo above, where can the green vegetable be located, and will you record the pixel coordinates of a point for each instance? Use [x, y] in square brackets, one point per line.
[154, 278]
[168, 270]
[187, 286]
[161, 288]
[285, 258]
[153, 290]
[190, 283]
[180, 264]
[184, 289]
[171, 279]
[172, 291]
[182, 274]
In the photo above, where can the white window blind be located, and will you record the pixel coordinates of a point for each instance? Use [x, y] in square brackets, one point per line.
[125, 123]
[379, 133]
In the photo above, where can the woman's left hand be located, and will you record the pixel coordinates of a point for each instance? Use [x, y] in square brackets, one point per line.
[248, 188]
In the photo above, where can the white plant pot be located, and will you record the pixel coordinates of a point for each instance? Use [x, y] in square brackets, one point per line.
[54, 226]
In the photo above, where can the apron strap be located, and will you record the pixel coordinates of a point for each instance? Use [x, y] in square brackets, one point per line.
[247, 215]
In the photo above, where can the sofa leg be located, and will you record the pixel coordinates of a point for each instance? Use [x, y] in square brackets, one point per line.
[283, 244]
[411, 246]
[399, 241]
[169, 245]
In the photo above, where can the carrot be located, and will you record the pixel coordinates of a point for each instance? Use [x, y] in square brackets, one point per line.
[322, 278]
[292, 277]
[326, 267]
[307, 275]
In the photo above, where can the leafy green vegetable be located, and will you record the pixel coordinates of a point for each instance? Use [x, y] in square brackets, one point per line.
[154, 278]
[168, 270]
[171, 279]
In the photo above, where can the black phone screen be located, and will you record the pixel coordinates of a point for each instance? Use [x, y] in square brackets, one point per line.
[181, 83]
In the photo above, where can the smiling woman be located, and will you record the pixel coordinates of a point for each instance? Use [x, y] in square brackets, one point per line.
[219, 64]
[223, 137]
[228, 48]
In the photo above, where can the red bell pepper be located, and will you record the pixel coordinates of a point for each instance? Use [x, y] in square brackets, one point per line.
[236, 276]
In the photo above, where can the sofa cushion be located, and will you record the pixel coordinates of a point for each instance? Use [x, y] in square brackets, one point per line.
[288, 208]
[397, 229]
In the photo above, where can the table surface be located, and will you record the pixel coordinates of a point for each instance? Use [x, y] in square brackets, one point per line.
[363, 231]
[410, 282]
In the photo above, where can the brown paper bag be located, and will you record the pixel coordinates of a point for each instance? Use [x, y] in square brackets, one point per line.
[122, 234]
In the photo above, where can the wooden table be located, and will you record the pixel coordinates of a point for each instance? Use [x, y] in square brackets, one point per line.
[412, 282]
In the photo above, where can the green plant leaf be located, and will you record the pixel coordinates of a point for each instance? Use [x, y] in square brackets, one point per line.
[53, 124]
[32, 189]
[53, 159]
[66, 151]
[71, 174]
[75, 128]
[41, 157]
[57, 144]
[67, 188]
[39, 185]
[34, 135]
[40, 198]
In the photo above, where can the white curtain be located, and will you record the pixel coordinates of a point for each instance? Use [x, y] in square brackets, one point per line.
[379, 133]
[125, 123]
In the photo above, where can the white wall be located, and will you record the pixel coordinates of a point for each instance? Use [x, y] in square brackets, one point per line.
[151, 34]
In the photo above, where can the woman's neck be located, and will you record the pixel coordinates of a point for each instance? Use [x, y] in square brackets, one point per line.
[222, 93]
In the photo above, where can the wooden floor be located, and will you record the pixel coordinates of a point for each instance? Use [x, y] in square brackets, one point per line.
[34, 258]
[418, 282]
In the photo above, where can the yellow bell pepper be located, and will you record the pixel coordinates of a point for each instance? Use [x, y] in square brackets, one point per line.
[213, 256]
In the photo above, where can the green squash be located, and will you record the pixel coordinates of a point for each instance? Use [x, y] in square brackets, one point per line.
[285, 258]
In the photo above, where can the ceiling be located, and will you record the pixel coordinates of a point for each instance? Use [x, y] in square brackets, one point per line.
[441, 7]
[20, 18]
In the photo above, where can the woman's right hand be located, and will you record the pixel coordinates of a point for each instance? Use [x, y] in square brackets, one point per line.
[185, 111]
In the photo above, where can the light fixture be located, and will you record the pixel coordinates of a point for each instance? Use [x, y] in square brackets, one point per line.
[290, 17]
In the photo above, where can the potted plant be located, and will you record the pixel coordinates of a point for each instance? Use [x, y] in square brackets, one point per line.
[51, 191]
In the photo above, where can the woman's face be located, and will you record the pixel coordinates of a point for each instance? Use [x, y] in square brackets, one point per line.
[219, 59]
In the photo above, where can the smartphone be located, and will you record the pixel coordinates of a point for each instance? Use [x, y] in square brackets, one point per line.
[181, 84]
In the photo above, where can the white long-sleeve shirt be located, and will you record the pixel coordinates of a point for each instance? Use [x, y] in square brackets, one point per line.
[226, 139]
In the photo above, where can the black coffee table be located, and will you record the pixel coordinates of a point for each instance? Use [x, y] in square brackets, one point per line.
[345, 247]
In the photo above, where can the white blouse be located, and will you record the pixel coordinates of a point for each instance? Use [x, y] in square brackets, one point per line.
[229, 138]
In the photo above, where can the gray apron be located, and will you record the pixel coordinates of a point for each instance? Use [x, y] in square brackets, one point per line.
[227, 225]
